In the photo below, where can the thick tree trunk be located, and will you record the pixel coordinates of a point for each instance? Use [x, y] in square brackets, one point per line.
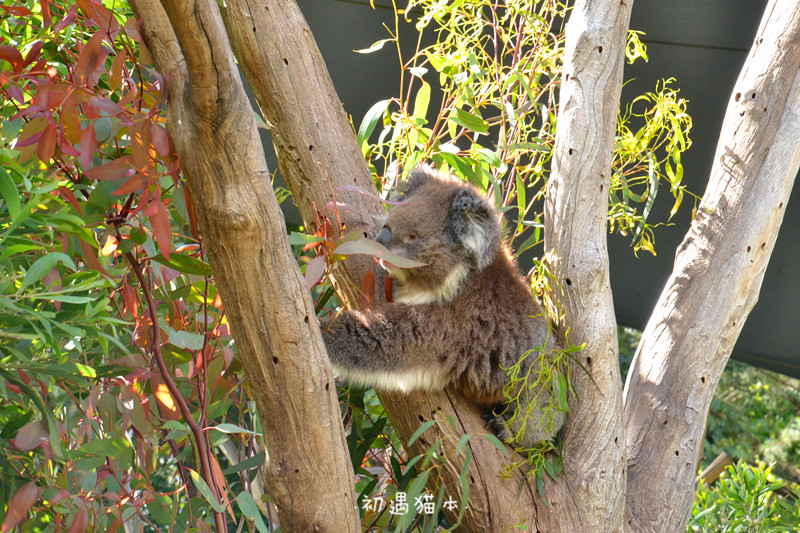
[308, 473]
[718, 272]
[576, 209]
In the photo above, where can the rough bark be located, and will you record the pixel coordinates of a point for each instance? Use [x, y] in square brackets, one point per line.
[576, 208]
[308, 473]
[313, 139]
[317, 153]
[717, 275]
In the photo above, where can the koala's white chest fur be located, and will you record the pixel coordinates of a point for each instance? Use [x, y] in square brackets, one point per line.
[410, 294]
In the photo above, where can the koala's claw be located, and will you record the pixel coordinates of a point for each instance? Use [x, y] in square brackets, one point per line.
[498, 424]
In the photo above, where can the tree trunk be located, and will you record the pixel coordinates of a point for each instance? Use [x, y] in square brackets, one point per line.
[308, 473]
[576, 212]
[718, 272]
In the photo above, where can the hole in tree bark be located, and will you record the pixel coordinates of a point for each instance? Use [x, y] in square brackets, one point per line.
[568, 281]
[421, 418]
[676, 453]
[275, 360]
[599, 49]
[702, 379]
[285, 61]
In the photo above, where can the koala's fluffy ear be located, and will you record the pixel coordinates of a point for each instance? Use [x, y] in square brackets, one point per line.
[419, 176]
[472, 222]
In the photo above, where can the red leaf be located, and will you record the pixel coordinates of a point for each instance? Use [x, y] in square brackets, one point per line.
[19, 11]
[20, 504]
[68, 19]
[136, 183]
[90, 257]
[193, 224]
[12, 55]
[367, 289]
[47, 143]
[73, 129]
[33, 53]
[31, 436]
[88, 145]
[140, 144]
[160, 140]
[388, 289]
[314, 271]
[69, 196]
[115, 170]
[115, 74]
[129, 300]
[100, 15]
[45, 5]
[79, 521]
[92, 58]
[31, 132]
[101, 103]
[159, 220]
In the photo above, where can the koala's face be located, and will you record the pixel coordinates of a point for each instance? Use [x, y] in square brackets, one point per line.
[446, 225]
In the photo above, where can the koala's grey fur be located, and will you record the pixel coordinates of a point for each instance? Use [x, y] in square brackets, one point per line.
[459, 320]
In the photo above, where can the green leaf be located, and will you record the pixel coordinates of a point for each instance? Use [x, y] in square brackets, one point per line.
[257, 461]
[8, 190]
[301, 239]
[370, 120]
[45, 264]
[250, 510]
[111, 447]
[185, 264]
[233, 428]
[420, 430]
[469, 121]
[205, 490]
[421, 102]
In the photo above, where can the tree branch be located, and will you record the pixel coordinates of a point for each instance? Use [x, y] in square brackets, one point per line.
[307, 473]
[576, 209]
[716, 279]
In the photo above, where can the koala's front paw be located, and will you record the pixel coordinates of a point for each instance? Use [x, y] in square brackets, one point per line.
[497, 423]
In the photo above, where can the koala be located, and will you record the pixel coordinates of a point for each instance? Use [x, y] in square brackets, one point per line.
[460, 320]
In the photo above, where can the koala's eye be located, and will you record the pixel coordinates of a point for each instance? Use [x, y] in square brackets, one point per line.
[411, 237]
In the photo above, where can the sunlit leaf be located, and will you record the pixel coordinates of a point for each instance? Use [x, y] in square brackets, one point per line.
[368, 247]
[19, 505]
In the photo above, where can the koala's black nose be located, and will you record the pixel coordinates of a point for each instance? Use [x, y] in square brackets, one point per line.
[384, 236]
